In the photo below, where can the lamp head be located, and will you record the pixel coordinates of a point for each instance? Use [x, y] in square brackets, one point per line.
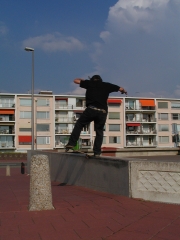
[28, 49]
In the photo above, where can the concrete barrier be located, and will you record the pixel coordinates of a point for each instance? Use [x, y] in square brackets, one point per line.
[132, 177]
[104, 174]
[155, 181]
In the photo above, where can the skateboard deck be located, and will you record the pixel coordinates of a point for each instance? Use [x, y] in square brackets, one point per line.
[80, 152]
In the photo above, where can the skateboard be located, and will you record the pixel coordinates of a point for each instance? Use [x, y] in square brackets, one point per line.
[80, 152]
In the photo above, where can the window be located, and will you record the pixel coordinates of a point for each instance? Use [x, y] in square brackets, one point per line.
[114, 139]
[25, 102]
[114, 127]
[114, 105]
[178, 127]
[114, 115]
[43, 140]
[175, 116]
[63, 140]
[25, 129]
[162, 104]
[42, 102]
[42, 128]
[25, 114]
[6, 102]
[163, 116]
[79, 102]
[104, 140]
[42, 115]
[62, 102]
[163, 127]
[163, 139]
[174, 129]
[175, 105]
[130, 117]
[62, 128]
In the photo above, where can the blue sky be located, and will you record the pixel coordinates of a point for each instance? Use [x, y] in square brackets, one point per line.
[132, 43]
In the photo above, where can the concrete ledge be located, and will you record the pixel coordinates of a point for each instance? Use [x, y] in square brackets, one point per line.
[135, 152]
[103, 174]
[132, 177]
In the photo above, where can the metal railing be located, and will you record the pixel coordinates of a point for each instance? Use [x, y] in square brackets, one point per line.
[142, 120]
[7, 132]
[142, 132]
[127, 108]
[7, 105]
[6, 144]
[7, 119]
[141, 144]
[64, 119]
[63, 131]
[69, 106]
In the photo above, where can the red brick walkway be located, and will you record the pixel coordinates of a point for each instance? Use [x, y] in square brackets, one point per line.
[82, 214]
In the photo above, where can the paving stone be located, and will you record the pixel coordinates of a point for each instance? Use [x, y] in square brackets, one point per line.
[82, 214]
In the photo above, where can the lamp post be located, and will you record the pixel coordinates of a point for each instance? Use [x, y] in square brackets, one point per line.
[28, 49]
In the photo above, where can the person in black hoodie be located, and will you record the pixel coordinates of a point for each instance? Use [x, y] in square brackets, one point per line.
[97, 93]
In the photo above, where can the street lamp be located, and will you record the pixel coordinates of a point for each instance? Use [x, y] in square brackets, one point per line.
[28, 49]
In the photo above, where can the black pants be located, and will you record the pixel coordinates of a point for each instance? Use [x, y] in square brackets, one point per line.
[88, 116]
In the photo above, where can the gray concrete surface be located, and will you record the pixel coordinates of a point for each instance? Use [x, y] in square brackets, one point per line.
[105, 174]
[154, 178]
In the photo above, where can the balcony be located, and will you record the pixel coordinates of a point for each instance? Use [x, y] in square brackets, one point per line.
[140, 132]
[69, 107]
[140, 144]
[6, 144]
[141, 119]
[7, 105]
[64, 120]
[7, 118]
[7, 131]
[139, 108]
[63, 131]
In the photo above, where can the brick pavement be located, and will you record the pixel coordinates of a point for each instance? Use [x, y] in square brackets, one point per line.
[81, 213]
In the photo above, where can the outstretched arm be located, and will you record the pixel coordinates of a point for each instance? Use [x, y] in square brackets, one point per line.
[78, 80]
[122, 90]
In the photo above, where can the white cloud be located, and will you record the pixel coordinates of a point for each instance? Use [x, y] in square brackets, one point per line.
[128, 14]
[140, 47]
[3, 29]
[54, 42]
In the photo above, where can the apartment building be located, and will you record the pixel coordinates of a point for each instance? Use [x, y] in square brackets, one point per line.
[131, 122]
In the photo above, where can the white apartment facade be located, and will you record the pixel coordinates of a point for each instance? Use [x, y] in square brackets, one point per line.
[131, 122]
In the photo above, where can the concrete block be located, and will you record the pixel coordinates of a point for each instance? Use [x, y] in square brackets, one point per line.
[40, 184]
[155, 181]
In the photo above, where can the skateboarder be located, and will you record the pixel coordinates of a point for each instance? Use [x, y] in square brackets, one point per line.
[97, 93]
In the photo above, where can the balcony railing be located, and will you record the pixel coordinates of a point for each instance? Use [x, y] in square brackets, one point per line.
[143, 120]
[63, 131]
[7, 131]
[64, 119]
[141, 144]
[6, 144]
[66, 106]
[69, 131]
[127, 108]
[7, 119]
[142, 132]
[7, 105]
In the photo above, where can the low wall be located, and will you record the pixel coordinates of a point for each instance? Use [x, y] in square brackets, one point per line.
[103, 174]
[155, 181]
[135, 152]
[132, 177]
